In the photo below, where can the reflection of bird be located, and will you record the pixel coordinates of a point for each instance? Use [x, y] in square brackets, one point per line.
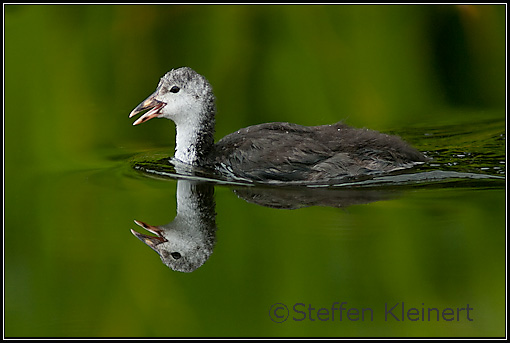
[299, 197]
[187, 242]
[272, 151]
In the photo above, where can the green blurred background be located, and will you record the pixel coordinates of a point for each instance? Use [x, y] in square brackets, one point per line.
[74, 72]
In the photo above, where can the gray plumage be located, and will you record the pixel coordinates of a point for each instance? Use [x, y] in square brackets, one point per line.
[291, 152]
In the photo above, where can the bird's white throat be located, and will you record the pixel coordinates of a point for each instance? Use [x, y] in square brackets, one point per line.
[185, 143]
[191, 129]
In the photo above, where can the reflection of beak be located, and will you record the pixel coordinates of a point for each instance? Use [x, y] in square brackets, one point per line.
[154, 106]
[151, 241]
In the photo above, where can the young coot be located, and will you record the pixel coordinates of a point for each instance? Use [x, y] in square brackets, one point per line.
[268, 152]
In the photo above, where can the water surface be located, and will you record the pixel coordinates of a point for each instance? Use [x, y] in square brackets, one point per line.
[430, 237]
[427, 237]
[75, 269]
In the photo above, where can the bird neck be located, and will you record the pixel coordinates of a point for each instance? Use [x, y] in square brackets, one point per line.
[195, 137]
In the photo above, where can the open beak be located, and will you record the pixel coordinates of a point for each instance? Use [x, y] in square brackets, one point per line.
[151, 241]
[154, 106]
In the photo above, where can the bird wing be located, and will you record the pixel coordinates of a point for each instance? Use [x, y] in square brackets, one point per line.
[289, 152]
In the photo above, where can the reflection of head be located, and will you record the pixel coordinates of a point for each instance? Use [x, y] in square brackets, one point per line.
[188, 241]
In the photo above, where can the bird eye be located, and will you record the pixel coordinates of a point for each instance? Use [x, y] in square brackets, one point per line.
[176, 255]
[174, 89]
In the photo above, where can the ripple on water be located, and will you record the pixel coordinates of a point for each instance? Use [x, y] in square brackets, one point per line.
[467, 155]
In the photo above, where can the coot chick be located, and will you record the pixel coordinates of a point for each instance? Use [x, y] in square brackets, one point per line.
[268, 152]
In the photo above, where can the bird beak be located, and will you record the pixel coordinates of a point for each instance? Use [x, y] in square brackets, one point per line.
[154, 106]
[151, 241]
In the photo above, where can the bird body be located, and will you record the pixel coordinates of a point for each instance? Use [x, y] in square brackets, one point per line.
[312, 153]
[276, 151]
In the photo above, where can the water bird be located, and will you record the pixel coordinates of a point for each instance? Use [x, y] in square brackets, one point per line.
[269, 152]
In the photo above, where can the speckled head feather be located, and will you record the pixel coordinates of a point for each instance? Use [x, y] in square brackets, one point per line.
[187, 78]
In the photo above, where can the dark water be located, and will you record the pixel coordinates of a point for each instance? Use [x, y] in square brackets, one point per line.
[431, 237]
[272, 260]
